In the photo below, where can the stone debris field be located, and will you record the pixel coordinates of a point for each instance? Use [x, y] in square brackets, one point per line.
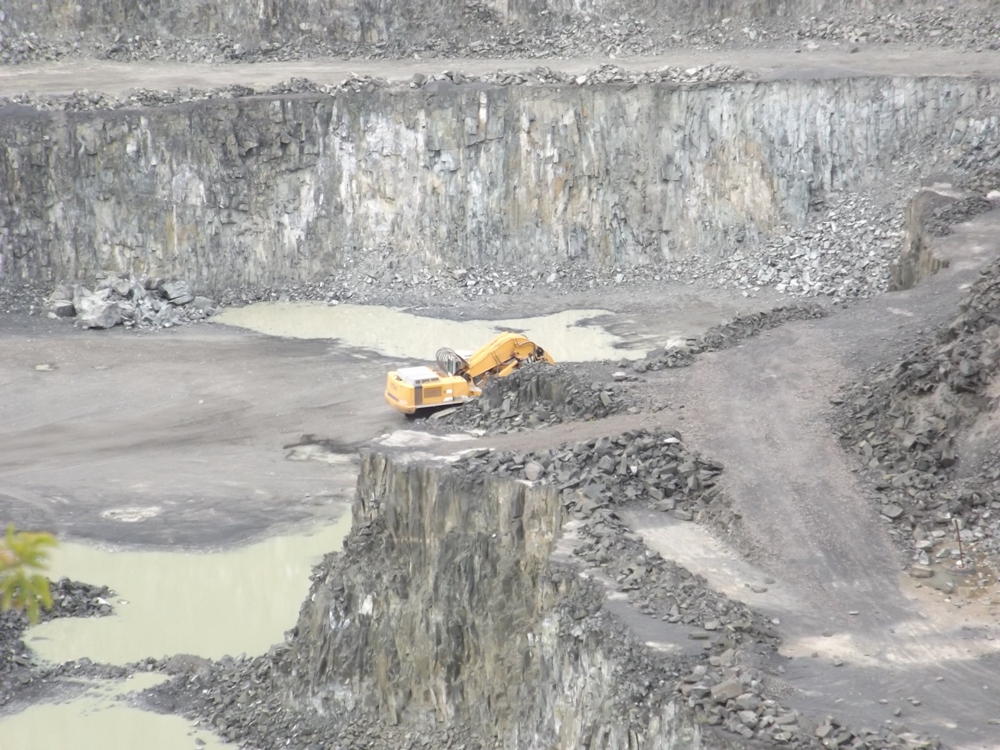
[757, 507]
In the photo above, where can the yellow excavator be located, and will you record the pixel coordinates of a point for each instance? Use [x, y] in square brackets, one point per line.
[458, 378]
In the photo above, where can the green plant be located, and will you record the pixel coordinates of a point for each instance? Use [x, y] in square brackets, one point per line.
[24, 555]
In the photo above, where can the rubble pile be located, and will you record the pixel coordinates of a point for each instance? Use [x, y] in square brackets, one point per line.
[957, 25]
[84, 100]
[535, 396]
[69, 599]
[941, 220]
[661, 588]
[844, 252]
[603, 75]
[907, 420]
[133, 302]
[478, 33]
[653, 469]
[725, 336]
[732, 698]
[743, 327]
[481, 32]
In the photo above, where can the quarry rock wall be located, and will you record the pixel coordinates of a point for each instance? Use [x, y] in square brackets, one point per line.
[446, 609]
[377, 21]
[265, 189]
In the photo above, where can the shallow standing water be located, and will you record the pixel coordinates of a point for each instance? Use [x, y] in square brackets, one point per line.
[99, 720]
[208, 604]
[570, 336]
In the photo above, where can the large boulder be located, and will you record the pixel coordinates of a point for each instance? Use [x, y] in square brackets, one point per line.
[60, 302]
[97, 311]
[178, 292]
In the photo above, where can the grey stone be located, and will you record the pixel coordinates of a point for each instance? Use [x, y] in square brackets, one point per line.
[204, 304]
[727, 690]
[62, 308]
[175, 291]
[100, 314]
[533, 471]
[918, 571]
[892, 510]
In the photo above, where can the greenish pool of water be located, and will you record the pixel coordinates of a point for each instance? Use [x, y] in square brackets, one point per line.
[568, 336]
[207, 604]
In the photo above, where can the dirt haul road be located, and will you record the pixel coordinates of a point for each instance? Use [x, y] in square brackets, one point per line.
[860, 640]
[829, 62]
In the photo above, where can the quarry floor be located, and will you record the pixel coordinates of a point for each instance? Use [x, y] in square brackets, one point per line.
[193, 437]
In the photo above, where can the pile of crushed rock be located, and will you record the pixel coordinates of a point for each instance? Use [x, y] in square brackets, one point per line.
[725, 336]
[84, 100]
[600, 76]
[133, 302]
[69, 599]
[652, 469]
[942, 218]
[844, 252]
[537, 395]
[907, 421]
[479, 31]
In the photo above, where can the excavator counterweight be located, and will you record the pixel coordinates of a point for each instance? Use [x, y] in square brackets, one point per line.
[456, 378]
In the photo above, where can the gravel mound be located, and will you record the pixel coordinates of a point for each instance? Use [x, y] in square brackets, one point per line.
[844, 252]
[742, 327]
[133, 302]
[84, 100]
[908, 420]
[480, 31]
[941, 220]
[725, 336]
[537, 395]
[69, 599]
[652, 469]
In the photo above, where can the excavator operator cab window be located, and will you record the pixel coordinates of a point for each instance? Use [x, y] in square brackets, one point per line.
[451, 362]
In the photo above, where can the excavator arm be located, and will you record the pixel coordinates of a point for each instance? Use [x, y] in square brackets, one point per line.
[503, 355]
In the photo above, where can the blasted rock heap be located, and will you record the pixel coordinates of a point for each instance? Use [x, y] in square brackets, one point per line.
[775, 525]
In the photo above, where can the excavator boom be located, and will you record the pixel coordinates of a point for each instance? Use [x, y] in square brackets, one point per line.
[456, 379]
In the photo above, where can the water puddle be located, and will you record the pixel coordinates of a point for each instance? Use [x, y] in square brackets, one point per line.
[570, 336]
[206, 604]
[100, 720]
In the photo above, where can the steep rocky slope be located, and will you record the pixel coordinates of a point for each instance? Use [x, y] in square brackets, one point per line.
[285, 189]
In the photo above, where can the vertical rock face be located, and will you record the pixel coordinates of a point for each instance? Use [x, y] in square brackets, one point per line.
[371, 22]
[263, 190]
[375, 21]
[916, 260]
[445, 607]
